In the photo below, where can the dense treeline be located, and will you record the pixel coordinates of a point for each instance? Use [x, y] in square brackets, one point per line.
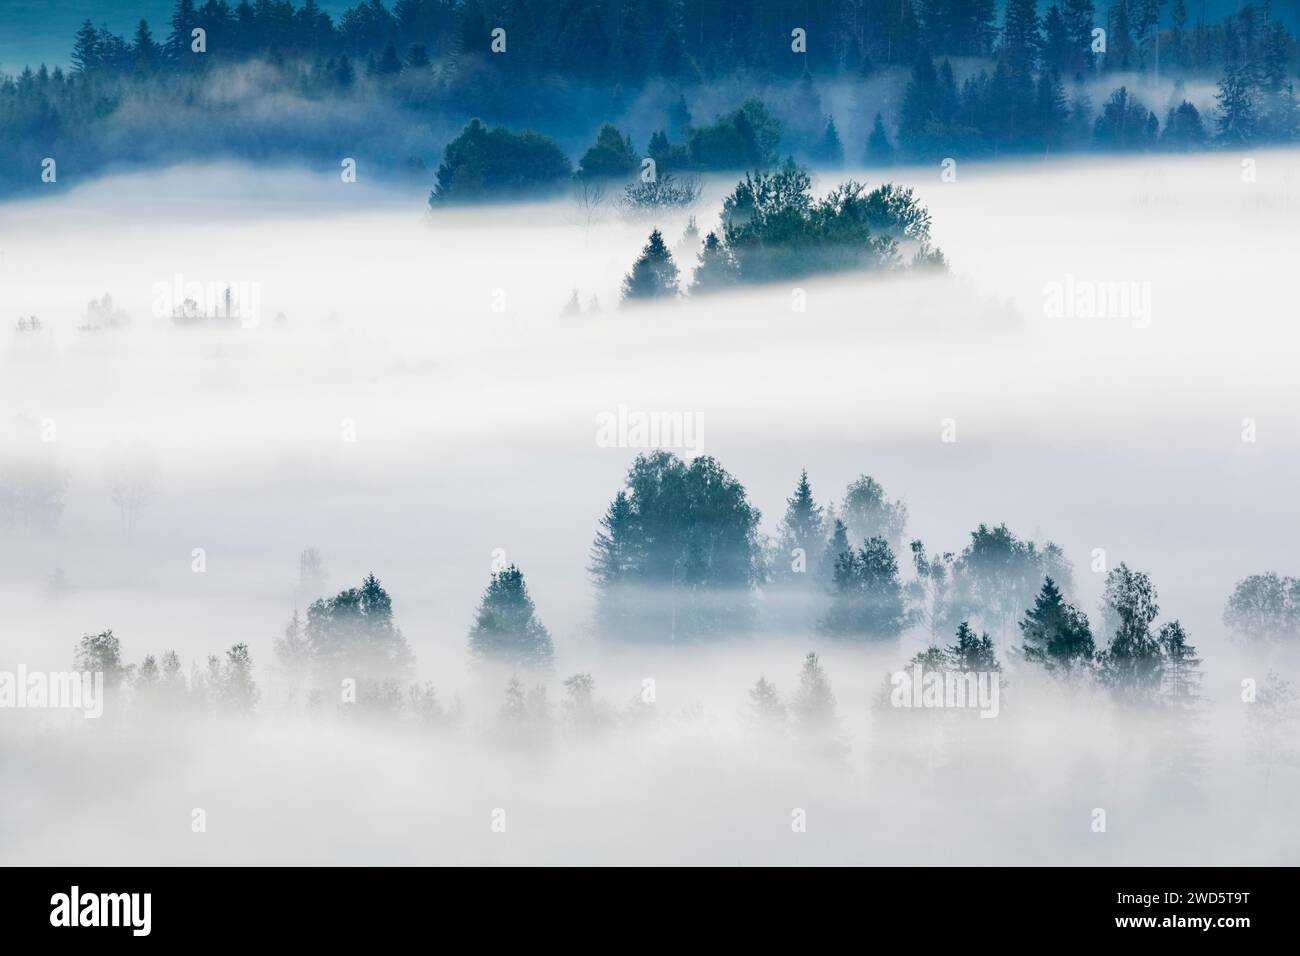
[976, 84]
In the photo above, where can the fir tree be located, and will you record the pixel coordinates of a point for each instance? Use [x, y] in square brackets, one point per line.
[830, 151]
[802, 530]
[716, 268]
[867, 596]
[971, 653]
[765, 705]
[654, 274]
[879, 150]
[813, 705]
[1237, 119]
[1056, 634]
[610, 157]
[237, 691]
[506, 628]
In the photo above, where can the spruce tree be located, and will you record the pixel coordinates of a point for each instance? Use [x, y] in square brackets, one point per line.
[1055, 634]
[237, 691]
[506, 628]
[803, 528]
[971, 653]
[830, 151]
[765, 704]
[1181, 672]
[867, 596]
[813, 704]
[654, 274]
[879, 150]
[716, 269]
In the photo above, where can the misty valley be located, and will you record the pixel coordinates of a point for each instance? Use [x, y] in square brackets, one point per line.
[631, 439]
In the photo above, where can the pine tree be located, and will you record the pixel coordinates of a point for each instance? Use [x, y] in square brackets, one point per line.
[1056, 634]
[610, 157]
[236, 691]
[1181, 669]
[1058, 51]
[836, 545]
[814, 704]
[879, 150]
[654, 274]
[353, 634]
[506, 628]
[802, 529]
[971, 653]
[1237, 118]
[1053, 112]
[867, 597]
[144, 51]
[830, 151]
[716, 267]
[1080, 19]
[765, 705]
[1121, 52]
[85, 49]
[615, 559]
[1020, 36]
[1183, 128]
[183, 22]
[293, 650]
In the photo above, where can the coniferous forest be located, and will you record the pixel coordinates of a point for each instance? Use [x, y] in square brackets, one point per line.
[688, 83]
[650, 432]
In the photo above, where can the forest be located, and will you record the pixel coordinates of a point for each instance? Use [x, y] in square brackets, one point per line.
[687, 82]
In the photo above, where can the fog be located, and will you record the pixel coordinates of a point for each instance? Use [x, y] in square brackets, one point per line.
[413, 401]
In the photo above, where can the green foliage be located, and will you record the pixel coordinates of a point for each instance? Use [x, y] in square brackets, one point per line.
[678, 553]
[744, 138]
[802, 529]
[765, 705]
[868, 514]
[353, 634]
[880, 152]
[773, 229]
[661, 192]
[102, 654]
[494, 164]
[997, 575]
[506, 629]
[971, 653]
[654, 275]
[867, 595]
[1056, 635]
[1183, 128]
[1124, 123]
[1142, 666]
[611, 157]
[813, 705]
[1264, 607]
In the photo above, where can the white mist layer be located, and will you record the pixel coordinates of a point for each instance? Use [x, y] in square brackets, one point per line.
[475, 431]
